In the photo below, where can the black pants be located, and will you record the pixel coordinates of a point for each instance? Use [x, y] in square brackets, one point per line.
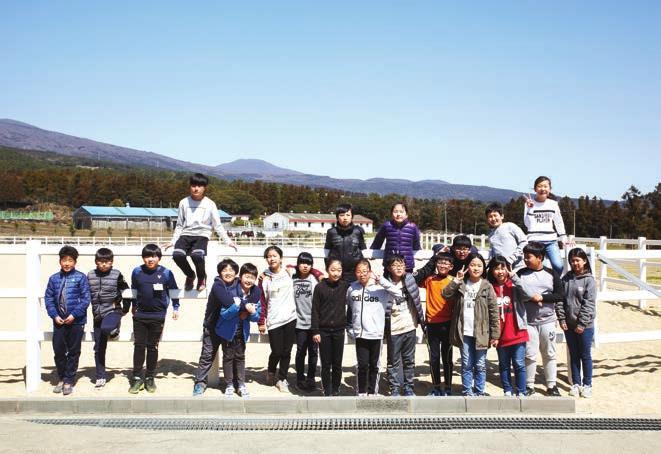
[234, 361]
[305, 347]
[367, 354]
[196, 247]
[440, 350]
[281, 340]
[102, 329]
[210, 344]
[331, 350]
[66, 349]
[146, 335]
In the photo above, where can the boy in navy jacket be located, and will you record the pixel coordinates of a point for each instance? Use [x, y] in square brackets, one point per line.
[67, 298]
[153, 283]
[240, 305]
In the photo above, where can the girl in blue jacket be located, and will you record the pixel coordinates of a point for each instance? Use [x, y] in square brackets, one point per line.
[401, 236]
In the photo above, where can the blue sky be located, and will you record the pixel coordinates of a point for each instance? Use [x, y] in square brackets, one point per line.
[493, 93]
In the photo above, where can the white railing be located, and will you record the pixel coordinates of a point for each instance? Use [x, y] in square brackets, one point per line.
[33, 250]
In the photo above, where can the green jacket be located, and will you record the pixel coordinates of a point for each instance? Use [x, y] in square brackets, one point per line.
[487, 324]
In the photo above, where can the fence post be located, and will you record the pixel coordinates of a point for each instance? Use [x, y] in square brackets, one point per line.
[593, 266]
[33, 333]
[603, 246]
[483, 238]
[642, 267]
[213, 257]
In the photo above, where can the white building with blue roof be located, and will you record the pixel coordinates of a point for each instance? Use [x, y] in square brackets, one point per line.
[128, 217]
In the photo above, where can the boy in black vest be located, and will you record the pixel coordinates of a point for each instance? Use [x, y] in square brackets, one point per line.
[106, 287]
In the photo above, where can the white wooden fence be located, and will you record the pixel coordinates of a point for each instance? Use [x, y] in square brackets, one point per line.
[33, 291]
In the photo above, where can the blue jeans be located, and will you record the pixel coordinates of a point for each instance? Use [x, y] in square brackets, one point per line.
[580, 351]
[513, 355]
[554, 256]
[473, 368]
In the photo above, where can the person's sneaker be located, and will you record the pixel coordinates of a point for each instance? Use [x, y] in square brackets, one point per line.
[100, 383]
[229, 391]
[408, 392]
[301, 386]
[282, 386]
[335, 393]
[310, 385]
[137, 385]
[243, 391]
[150, 386]
[435, 392]
[362, 394]
[553, 392]
[190, 282]
[447, 392]
[270, 378]
[530, 391]
[57, 389]
[575, 390]
[482, 394]
[586, 391]
[508, 393]
[395, 392]
[67, 389]
[199, 389]
[201, 285]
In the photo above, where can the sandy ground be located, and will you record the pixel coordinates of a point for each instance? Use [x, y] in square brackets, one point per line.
[626, 378]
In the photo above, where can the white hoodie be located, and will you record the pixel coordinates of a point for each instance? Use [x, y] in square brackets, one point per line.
[278, 303]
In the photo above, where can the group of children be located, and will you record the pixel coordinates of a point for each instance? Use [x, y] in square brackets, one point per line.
[512, 304]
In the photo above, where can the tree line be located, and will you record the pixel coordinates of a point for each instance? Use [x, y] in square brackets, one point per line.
[65, 181]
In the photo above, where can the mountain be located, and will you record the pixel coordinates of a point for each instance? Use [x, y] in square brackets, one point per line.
[253, 167]
[20, 135]
[16, 134]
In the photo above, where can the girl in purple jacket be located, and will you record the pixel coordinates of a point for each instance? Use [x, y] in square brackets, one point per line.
[401, 235]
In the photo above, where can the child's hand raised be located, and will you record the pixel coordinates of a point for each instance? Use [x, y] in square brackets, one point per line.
[529, 201]
[460, 274]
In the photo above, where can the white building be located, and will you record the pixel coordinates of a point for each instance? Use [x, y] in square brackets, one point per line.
[310, 222]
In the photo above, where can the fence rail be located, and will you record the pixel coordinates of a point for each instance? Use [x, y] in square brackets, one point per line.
[33, 249]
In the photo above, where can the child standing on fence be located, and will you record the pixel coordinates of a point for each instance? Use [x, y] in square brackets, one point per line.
[475, 325]
[368, 300]
[227, 270]
[576, 317]
[328, 322]
[543, 219]
[403, 315]
[401, 236]
[546, 295]
[239, 306]
[106, 287]
[513, 326]
[278, 317]
[506, 238]
[345, 241]
[67, 298]
[196, 218]
[153, 283]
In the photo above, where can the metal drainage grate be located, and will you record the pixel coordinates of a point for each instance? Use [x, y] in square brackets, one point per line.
[364, 423]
